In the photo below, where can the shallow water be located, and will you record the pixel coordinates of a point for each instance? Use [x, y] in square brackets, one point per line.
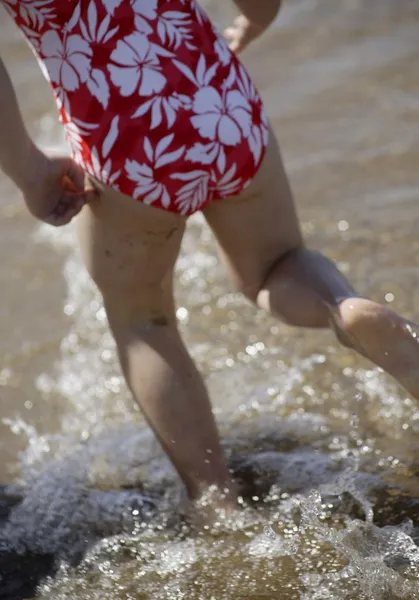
[300, 417]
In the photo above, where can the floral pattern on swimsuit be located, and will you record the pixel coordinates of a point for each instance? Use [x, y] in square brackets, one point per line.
[153, 102]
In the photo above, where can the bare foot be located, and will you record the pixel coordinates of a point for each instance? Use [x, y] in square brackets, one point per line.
[383, 337]
[213, 507]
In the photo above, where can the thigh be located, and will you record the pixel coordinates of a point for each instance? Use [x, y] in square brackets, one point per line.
[130, 251]
[258, 227]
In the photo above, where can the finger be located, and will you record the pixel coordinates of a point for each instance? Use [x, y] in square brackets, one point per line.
[70, 215]
[70, 202]
[70, 175]
[66, 208]
[230, 32]
[242, 22]
[87, 189]
[236, 38]
[235, 46]
[90, 195]
[59, 221]
[77, 201]
[65, 171]
[75, 177]
[68, 183]
[232, 38]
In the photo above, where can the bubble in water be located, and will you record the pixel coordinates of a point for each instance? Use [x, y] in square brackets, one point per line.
[269, 532]
[346, 481]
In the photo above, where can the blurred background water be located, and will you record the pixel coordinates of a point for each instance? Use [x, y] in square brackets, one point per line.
[326, 448]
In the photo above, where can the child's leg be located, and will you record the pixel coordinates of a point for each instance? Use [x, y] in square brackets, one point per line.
[130, 251]
[262, 244]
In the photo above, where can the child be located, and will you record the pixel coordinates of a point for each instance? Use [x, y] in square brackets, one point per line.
[162, 121]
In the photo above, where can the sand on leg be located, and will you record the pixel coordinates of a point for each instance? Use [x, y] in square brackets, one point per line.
[130, 251]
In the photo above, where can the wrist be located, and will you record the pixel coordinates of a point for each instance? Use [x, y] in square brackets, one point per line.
[30, 168]
[17, 156]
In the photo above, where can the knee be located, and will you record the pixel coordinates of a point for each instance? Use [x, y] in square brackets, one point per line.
[136, 305]
[140, 314]
[144, 335]
[257, 282]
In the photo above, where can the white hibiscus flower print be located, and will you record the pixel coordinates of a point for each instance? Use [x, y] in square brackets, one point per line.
[37, 13]
[76, 130]
[229, 184]
[145, 10]
[110, 5]
[101, 170]
[137, 66]
[259, 133]
[201, 17]
[92, 30]
[34, 39]
[174, 28]
[205, 154]
[208, 154]
[222, 51]
[67, 61]
[149, 188]
[191, 196]
[226, 118]
[163, 107]
[203, 75]
[101, 162]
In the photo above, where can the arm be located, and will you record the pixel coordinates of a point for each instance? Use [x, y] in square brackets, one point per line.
[17, 151]
[255, 18]
[53, 187]
[261, 13]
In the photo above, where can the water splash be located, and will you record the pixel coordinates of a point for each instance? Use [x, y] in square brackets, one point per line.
[348, 482]
[378, 559]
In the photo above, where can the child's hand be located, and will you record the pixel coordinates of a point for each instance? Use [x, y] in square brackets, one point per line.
[256, 16]
[241, 33]
[55, 191]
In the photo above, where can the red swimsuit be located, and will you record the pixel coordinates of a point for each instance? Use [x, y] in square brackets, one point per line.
[153, 102]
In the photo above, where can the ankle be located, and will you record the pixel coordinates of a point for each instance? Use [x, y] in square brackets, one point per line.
[219, 497]
[339, 323]
[212, 506]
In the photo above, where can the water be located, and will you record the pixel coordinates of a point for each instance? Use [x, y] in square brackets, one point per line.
[324, 447]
